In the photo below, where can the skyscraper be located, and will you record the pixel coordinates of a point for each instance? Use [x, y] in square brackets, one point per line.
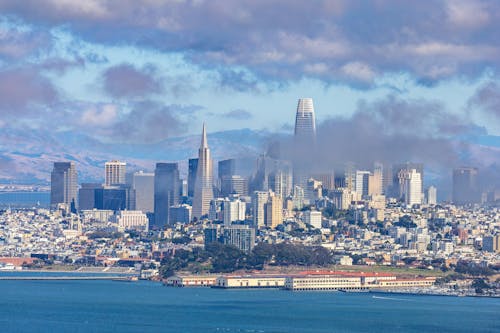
[305, 123]
[143, 184]
[64, 185]
[465, 188]
[166, 192]
[192, 170]
[274, 211]
[412, 187]
[203, 190]
[115, 173]
[259, 199]
[304, 140]
[431, 195]
[86, 195]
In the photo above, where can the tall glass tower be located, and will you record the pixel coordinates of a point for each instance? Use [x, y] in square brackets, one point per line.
[64, 185]
[203, 190]
[304, 141]
[305, 123]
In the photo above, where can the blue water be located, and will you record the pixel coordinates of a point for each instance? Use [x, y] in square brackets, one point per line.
[24, 199]
[108, 306]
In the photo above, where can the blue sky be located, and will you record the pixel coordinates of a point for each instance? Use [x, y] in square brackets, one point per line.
[142, 71]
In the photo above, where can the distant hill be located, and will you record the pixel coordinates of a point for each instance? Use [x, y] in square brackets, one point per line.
[27, 157]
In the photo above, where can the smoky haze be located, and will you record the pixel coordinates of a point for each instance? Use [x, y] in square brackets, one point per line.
[391, 131]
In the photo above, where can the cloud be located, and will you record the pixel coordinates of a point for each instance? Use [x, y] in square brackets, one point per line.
[127, 81]
[278, 41]
[390, 130]
[16, 43]
[22, 88]
[149, 122]
[238, 114]
[102, 117]
[487, 100]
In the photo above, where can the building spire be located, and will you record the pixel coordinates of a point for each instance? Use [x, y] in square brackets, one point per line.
[204, 142]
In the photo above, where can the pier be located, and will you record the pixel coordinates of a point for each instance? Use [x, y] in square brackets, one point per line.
[57, 278]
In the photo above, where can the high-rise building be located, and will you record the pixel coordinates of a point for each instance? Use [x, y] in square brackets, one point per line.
[412, 187]
[274, 211]
[112, 198]
[143, 184]
[259, 199]
[226, 168]
[166, 192]
[305, 122]
[398, 183]
[431, 195]
[341, 198]
[86, 196]
[192, 170]
[465, 187]
[376, 180]
[314, 190]
[203, 191]
[64, 185]
[240, 236]
[180, 214]
[233, 185]
[234, 210]
[114, 173]
[304, 140]
[362, 183]
[327, 180]
[491, 243]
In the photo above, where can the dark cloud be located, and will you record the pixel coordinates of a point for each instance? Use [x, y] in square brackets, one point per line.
[127, 81]
[332, 40]
[391, 130]
[487, 100]
[16, 44]
[238, 114]
[23, 88]
[149, 122]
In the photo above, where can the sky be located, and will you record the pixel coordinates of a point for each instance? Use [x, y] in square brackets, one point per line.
[142, 71]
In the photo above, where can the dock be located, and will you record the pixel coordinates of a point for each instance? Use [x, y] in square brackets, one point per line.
[58, 278]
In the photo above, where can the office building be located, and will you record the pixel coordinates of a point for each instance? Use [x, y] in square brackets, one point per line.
[226, 168]
[166, 192]
[465, 187]
[234, 184]
[180, 214]
[362, 183]
[431, 195]
[233, 210]
[86, 195]
[192, 170]
[114, 173]
[412, 187]
[259, 199]
[274, 211]
[203, 191]
[491, 243]
[143, 184]
[304, 140]
[397, 188]
[64, 185]
[112, 198]
[327, 180]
